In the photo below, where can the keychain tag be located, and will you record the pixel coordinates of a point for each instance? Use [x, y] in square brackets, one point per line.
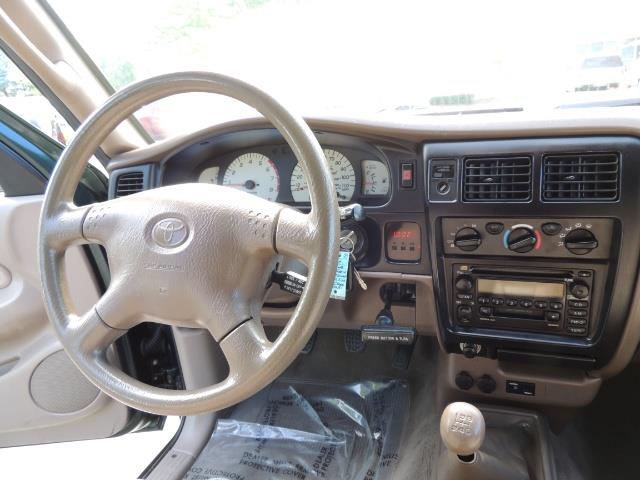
[339, 289]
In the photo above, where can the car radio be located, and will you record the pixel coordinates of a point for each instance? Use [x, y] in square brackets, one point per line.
[544, 300]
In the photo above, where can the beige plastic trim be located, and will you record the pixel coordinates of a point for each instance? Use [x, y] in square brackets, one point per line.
[205, 268]
[555, 123]
[361, 307]
[27, 339]
[195, 349]
[554, 386]
[31, 34]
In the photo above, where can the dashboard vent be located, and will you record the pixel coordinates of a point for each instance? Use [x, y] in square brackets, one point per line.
[587, 177]
[129, 183]
[505, 179]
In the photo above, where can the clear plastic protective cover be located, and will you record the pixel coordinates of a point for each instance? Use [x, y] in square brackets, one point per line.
[303, 430]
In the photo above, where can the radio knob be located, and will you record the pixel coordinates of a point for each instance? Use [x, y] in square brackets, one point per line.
[521, 240]
[579, 290]
[580, 241]
[464, 284]
[467, 239]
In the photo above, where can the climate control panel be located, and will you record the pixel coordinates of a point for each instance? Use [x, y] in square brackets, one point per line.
[539, 237]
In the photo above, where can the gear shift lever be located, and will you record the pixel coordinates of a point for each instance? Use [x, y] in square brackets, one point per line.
[462, 429]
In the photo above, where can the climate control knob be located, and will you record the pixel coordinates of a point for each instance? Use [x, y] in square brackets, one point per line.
[467, 239]
[580, 241]
[521, 240]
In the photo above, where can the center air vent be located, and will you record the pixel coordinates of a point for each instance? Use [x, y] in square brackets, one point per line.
[587, 177]
[504, 179]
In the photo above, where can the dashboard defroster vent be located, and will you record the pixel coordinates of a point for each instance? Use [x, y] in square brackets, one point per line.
[497, 179]
[581, 177]
[129, 183]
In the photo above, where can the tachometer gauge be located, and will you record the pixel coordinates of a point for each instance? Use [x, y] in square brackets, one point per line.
[375, 178]
[209, 175]
[342, 173]
[254, 173]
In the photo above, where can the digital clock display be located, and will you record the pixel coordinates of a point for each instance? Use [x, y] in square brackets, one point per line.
[403, 242]
[404, 234]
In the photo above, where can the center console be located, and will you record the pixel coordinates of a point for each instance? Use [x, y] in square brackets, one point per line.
[534, 246]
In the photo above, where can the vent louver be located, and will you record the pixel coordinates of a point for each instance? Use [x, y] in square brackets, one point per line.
[129, 183]
[503, 179]
[582, 177]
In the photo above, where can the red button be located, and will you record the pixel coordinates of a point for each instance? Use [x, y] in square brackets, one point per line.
[407, 175]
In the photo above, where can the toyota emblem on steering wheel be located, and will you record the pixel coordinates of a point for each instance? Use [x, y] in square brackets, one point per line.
[170, 232]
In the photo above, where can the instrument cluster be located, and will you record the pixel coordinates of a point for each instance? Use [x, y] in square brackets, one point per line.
[273, 173]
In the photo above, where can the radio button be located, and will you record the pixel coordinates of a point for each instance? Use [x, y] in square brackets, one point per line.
[540, 304]
[552, 316]
[526, 303]
[511, 302]
[483, 300]
[577, 322]
[577, 330]
[464, 296]
[577, 313]
[553, 325]
[464, 314]
[578, 303]
[555, 306]
[487, 311]
[497, 301]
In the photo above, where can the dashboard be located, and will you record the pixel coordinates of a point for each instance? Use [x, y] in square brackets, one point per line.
[506, 240]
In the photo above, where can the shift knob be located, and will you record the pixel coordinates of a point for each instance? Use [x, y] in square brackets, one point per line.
[462, 428]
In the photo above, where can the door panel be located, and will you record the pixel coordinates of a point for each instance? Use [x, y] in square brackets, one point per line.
[44, 397]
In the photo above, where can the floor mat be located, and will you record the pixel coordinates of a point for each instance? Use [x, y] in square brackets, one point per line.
[303, 430]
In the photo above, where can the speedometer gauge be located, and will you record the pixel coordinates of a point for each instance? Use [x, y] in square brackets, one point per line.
[254, 173]
[375, 178]
[342, 173]
[209, 175]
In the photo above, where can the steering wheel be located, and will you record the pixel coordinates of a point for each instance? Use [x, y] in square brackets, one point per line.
[189, 255]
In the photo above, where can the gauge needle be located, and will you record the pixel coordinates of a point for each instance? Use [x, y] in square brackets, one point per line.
[249, 185]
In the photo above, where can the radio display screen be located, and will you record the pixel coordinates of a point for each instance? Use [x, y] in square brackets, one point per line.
[512, 288]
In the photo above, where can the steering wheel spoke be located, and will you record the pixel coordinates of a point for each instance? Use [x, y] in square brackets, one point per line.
[296, 234]
[65, 227]
[246, 349]
[91, 334]
[116, 307]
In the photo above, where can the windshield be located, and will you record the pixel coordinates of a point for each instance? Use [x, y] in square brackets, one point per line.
[602, 62]
[365, 58]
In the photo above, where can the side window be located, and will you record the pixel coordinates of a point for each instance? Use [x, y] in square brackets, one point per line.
[19, 95]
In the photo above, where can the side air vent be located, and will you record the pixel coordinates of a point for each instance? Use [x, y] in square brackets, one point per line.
[497, 179]
[587, 177]
[129, 183]
[130, 180]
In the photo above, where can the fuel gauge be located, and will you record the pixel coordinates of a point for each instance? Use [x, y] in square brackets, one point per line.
[375, 178]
